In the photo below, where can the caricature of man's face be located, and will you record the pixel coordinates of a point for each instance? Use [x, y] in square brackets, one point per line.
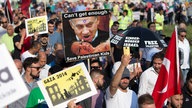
[85, 28]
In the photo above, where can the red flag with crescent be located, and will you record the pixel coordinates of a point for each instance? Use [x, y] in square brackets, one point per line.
[168, 82]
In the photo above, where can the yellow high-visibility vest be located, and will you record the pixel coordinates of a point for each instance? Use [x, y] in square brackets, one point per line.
[125, 7]
[110, 23]
[130, 14]
[124, 22]
[116, 10]
[160, 19]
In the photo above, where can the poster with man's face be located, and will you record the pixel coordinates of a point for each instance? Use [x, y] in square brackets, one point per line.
[86, 34]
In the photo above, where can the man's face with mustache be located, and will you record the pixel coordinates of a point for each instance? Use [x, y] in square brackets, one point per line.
[124, 83]
[44, 40]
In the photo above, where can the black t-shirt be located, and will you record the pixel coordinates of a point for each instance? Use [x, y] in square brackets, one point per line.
[50, 58]
[187, 99]
[54, 69]
[17, 52]
[118, 52]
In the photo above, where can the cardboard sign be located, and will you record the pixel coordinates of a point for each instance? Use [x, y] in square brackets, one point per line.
[71, 83]
[136, 15]
[12, 86]
[86, 34]
[36, 24]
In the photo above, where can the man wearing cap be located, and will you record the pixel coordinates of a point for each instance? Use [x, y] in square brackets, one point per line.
[43, 39]
[118, 95]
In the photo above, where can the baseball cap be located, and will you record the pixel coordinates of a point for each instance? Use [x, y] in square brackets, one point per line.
[126, 73]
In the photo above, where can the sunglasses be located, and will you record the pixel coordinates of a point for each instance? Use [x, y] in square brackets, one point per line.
[95, 67]
[183, 35]
[4, 22]
[36, 68]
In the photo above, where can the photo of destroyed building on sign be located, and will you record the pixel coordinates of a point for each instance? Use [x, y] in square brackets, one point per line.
[36, 24]
[65, 85]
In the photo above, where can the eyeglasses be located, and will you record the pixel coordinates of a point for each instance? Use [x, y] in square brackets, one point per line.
[4, 22]
[38, 68]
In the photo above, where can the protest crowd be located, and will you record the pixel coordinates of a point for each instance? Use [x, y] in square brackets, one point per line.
[41, 55]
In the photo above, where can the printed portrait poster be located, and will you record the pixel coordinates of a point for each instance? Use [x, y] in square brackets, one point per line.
[36, 24]
[12, 86]
[71, 83]
[86, 34]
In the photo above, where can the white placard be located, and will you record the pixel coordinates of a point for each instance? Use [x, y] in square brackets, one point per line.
[36, 24]
[71, 83]
[12, 86]
[136, 15]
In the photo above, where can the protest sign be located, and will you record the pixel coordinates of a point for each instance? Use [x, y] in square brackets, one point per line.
[36, 24]
[136, 15]
[71, 83]
[12, 86]
[86, 34]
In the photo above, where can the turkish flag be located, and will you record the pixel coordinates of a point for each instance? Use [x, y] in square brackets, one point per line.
[168, 82]
[25, 7]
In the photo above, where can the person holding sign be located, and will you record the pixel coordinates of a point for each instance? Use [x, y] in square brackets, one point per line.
[118, 95]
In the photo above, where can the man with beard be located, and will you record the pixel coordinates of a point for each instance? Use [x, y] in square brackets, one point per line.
[175, 101]
[16, 21]
[43, 39]
[31, 76]
[118, 95]
[187, 91]
[149, 77]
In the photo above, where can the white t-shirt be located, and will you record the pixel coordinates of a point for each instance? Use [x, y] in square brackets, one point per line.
[147, 81]
[44, 71]
[26, 54]
[121, 99]
[185, 50]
